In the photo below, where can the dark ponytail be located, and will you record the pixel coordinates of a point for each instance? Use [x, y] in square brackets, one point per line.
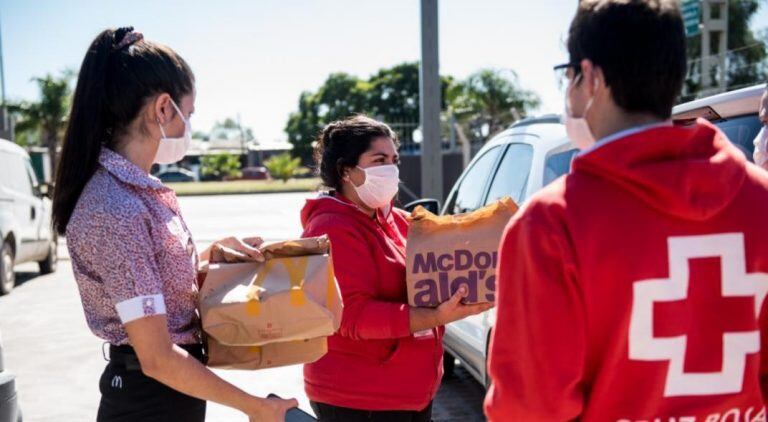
[116, 79]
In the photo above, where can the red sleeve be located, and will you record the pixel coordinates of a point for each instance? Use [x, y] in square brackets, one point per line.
[538, 349]
[365, 317]
[763, 322]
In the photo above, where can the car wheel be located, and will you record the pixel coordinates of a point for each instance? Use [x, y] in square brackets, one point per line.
[7, 276]
[49, 264]
[449, 364]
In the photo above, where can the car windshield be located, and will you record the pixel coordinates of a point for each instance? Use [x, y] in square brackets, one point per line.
[741, 131]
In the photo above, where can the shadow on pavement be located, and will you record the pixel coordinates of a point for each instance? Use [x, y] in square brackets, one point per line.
[460, 398]
[26, 276]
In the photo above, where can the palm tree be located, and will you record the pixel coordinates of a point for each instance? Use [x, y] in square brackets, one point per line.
[48, 116]
[491, 98]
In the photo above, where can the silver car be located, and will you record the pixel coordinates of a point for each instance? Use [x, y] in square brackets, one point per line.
[532, 153]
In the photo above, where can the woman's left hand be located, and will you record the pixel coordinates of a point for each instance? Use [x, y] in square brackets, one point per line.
[233, 249]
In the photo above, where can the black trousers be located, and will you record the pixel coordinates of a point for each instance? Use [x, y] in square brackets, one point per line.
[127, 395]
[330, 413]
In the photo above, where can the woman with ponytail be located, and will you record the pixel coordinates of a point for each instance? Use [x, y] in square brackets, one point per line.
[132, 255]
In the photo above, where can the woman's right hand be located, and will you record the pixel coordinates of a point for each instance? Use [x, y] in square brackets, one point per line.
[453, 309]
[271, 409]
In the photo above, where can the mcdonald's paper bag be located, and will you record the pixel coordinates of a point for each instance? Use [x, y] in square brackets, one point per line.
[445, 252]
[267, 356]
[291, 296]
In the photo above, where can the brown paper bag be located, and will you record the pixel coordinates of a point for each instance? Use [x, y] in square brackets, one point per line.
[444, 252]
[267, 356]
[292, 296]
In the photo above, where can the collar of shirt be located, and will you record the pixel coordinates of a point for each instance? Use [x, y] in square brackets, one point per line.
[382, 215]
[623, 134]
[129, 173]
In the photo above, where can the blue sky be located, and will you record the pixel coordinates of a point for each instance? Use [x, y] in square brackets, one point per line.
[255, 57]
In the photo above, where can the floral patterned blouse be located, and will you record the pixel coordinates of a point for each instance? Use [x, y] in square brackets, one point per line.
[132, 253]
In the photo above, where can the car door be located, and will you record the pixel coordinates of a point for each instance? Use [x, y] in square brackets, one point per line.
[42, 226]
[468, 195]
[510, 179]
[26, 205]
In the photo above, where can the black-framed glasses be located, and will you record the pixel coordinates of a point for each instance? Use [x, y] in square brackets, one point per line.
[563, 76]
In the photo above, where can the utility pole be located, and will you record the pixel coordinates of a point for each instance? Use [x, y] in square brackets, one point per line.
[429, 93]
[5, 126]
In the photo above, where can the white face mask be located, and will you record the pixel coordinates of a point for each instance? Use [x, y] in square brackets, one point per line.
[577, 128]
[380, 186]
[761, 148]
[172, 150]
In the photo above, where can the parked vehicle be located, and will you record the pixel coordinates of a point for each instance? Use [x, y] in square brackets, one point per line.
[9, 406]
[176, 175]
[531, 154]
[26, 233]
[255, 173]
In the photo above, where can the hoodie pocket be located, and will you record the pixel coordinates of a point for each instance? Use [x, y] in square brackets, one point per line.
[394, 352]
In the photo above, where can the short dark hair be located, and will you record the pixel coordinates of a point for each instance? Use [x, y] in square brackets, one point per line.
[116, 80]
[640, 47]
[341, 143]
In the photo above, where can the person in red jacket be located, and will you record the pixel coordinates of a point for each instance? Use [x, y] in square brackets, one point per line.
[633, 289]
[385, 363]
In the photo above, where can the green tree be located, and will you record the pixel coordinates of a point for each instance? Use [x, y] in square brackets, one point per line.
[283, 166]
[220, 166]
[340, 96]
[747, 48]
[46, 119]
[391, 94]
[490, 99]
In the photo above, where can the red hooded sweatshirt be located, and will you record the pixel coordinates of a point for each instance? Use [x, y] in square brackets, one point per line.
[373, 362]
[633, 289]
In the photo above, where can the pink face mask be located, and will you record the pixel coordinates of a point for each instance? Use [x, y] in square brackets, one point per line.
[172, 150]
[380, 186]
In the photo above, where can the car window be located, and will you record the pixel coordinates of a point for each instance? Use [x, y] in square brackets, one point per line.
[471, 187]
[18, 178]
[741, 131]
[511, 178]
[557, 165]
[30, 172]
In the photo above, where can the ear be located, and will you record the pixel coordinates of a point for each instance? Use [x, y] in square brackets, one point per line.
[592, 76]
[343, 171]
[163, 109]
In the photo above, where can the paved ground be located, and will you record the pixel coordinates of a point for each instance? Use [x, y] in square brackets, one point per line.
[58, 361]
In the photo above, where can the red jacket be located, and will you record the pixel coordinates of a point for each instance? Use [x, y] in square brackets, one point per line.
[632, 289]
[373, 362]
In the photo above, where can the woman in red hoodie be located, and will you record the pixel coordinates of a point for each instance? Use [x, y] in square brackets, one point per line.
[384, 364]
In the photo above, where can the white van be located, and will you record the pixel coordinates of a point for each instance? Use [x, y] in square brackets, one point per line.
[26, 232]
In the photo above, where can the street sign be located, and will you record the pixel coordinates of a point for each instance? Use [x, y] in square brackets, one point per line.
[692, 17]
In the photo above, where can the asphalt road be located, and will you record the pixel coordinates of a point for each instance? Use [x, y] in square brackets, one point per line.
[58, 361]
